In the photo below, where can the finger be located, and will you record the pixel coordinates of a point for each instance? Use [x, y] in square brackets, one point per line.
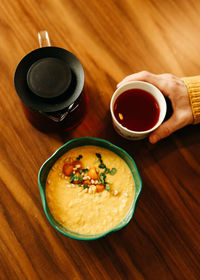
[158, 80]
[140, 76]
[165, 129]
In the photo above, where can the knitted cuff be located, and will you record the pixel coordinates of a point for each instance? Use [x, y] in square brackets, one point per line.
[193, 87]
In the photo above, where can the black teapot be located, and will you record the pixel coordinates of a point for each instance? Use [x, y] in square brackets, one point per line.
[49, 82]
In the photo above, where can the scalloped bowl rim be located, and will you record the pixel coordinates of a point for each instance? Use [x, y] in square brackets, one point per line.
[132, 207]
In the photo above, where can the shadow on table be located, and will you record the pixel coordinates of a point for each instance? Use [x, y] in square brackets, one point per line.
[142, 150]
[144, 153]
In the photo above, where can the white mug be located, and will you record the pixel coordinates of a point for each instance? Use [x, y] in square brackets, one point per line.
[151, 89]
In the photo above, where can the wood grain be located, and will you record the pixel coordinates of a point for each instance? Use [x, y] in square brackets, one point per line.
[112, 39]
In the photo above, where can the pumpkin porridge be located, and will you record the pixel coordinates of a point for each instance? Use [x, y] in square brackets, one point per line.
[89, 190]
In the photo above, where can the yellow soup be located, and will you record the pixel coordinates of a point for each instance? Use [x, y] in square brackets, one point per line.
[89, 190]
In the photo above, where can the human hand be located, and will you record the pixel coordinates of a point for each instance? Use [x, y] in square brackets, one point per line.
[173, 88]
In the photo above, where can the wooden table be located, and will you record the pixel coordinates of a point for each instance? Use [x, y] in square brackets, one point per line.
[112, 39]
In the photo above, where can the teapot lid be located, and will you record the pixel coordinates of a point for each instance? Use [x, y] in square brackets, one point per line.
[49, 79]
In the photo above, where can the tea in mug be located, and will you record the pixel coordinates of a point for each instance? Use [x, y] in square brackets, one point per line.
[137, 110]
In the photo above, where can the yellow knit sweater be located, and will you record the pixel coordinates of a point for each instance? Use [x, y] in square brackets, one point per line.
[193, 86]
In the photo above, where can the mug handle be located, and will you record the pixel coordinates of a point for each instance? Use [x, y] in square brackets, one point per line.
[43, 38]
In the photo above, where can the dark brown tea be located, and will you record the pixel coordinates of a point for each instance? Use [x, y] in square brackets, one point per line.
[136, 110]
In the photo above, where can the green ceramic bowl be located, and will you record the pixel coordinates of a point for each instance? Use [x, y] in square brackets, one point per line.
[44, 170]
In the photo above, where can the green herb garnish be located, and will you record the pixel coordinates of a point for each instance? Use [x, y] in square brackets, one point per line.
[83, 170]
[113, 171]
[72, 177]
[85, 186]
[102, 165]
[80, 178]
[76, 178]
[98, 155]
[107, 170]
[79, 157]
[102, 177]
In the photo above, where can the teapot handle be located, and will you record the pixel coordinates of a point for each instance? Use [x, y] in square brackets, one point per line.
[58, 116]
[43, 38]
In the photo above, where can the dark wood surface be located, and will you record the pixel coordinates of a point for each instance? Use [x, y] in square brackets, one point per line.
[112, 39]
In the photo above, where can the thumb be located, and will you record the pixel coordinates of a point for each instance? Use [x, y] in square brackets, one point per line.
[164, 130]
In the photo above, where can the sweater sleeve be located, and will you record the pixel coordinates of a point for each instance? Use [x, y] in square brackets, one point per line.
[193, 87]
